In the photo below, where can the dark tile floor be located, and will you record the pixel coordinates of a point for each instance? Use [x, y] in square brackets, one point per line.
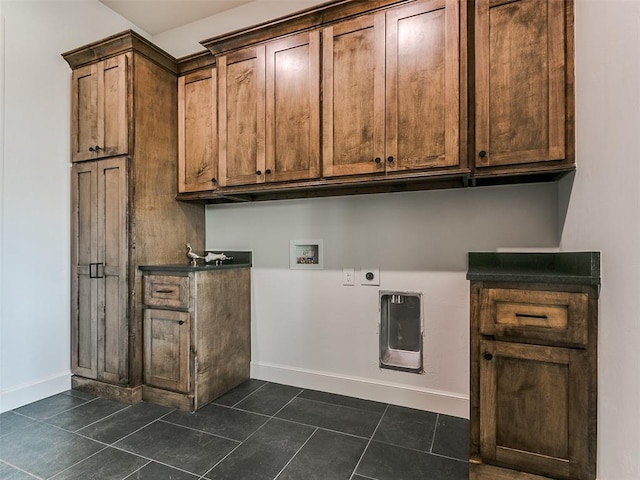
[258, 431]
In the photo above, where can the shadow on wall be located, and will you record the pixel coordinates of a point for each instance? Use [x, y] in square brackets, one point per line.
[426, 231]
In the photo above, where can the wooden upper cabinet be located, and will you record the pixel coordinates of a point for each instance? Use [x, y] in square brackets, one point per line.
[100, 123]
[391, 87]
[268, 103]
[197, 131]
[523, 68]
[423, 85]
[353, 96]
[241, 107]
[293, 108]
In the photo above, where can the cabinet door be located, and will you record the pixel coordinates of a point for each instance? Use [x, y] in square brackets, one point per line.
[293, 108]
[112, 256]
[166, 349]
[99, 335]
[534, 408]
[241, 107]
[353, 96]
[197, 131]
[520, 82]
[423, 85]
[84, 293]
[99, 126]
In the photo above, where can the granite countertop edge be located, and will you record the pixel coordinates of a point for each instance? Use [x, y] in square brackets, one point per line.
[578, 268]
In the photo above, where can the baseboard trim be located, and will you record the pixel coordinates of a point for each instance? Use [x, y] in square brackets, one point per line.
[447, 403]
[26, 393]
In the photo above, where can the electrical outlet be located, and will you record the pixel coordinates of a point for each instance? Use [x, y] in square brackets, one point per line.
[370, 276]
[348, 276]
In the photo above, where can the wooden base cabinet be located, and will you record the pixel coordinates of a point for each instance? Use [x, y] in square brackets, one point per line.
[197, 334]
[533, 378]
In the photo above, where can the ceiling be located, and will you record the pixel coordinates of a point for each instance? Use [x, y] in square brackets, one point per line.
[157, 16]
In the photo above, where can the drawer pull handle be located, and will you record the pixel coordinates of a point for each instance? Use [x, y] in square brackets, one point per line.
[181, 322]
[531, 315]
[164, 291]
[487, 356]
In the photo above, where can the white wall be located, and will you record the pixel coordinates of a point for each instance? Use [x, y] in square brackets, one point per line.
[34, 270]
[310, 330]
[427, 233]
[604, 214]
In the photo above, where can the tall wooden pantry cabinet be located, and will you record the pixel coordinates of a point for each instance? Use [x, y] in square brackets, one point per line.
[124, 213]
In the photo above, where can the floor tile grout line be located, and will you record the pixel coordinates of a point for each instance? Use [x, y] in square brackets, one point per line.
[201, 431]
[160, 462]
[250, 394]
[126, 407]
[85, 402]
[355, 469]
[144, 426]
[138, 469]
[433, 437]
[21, 470]
[79, 462]
[296, 454]
[342, 406]
[235, 448]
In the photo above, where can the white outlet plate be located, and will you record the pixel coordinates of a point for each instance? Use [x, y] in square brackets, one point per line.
[348, 276]
[374, 277]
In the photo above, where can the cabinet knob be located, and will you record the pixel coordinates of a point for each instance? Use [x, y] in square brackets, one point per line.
[482, 154]
[259, 172]
[213, 180]
[181, 322]
[94, 149]
[487, 356]
[377, 159]
[268, 171]
[390, 159]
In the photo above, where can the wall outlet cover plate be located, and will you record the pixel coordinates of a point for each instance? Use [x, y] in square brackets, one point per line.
[370, 276]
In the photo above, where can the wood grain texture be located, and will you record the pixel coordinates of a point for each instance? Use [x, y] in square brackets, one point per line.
[293, 108]
[120, 393]
[167, 349]
[423, 85]
[193, 362]
[197, 131]
[141, 223]
[100, 110]
[241, 107]
[533, 407]
[353, 96]
[521, 78]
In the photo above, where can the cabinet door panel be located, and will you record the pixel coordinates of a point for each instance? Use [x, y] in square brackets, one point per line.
[533, 404]
[520, 82]
[112, 259]
[197, 131]
[422, 128]
[293, 108]
[112, 109]
[166, 349]
[353, 96]
[84, 111]
[242, 116]
[99, 110]
[84, 294]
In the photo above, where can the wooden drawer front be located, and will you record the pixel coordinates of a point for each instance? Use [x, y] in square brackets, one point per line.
[558, 317]
[166, 291]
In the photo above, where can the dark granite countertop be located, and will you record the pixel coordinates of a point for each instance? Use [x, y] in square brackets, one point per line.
[240, 260]
[566, 267]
